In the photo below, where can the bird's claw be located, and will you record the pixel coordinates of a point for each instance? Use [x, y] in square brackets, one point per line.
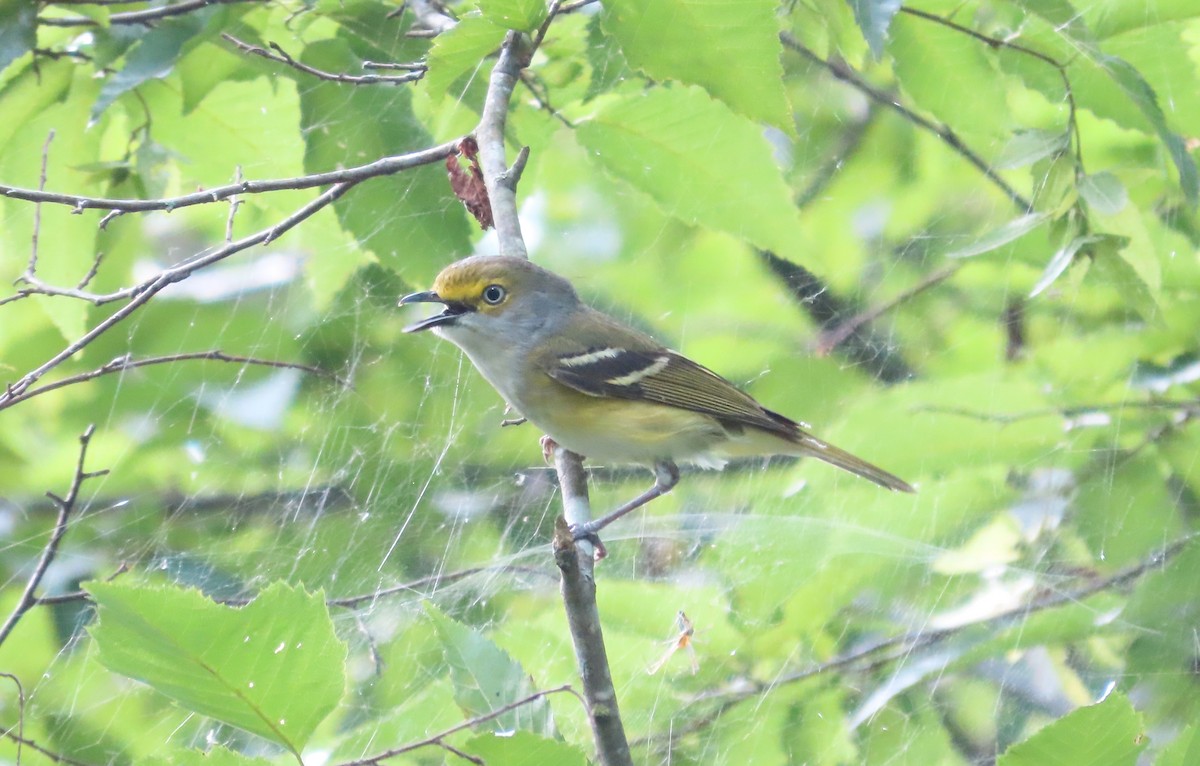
[584, 532]
[548, 447]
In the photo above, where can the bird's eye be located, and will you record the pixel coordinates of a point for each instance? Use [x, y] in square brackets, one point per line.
[493, 294]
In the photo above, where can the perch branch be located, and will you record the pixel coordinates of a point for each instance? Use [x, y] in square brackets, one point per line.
[578, 584]
[66, 505]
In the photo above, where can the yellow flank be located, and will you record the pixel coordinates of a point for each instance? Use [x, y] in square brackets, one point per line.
[606, 428]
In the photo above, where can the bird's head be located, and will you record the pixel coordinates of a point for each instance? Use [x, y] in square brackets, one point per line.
[497, 298]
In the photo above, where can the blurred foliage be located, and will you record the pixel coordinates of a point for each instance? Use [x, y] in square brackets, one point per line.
[1020, 235]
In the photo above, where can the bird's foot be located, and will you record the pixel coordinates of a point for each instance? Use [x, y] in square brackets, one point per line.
[548, 447]
[588, 533]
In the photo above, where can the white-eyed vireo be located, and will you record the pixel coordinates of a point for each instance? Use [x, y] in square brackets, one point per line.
[601, 388]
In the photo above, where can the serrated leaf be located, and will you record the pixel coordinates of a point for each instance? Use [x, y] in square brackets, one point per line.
[604, 56]
[1028, 146]
[459, 51]
[873, 18]
[18, 30]
[924, 53]
[524, 747]
[730, 48]
[274, 667]
[486, 678]
[1135, 87]
[701, 162]
[1112, 265]
[521, 15]
[1104, 192]
[1062, 259]
[1109, 733]
[997, 238]
[409, 220]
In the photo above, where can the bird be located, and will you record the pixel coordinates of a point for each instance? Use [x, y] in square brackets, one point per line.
[605, 390]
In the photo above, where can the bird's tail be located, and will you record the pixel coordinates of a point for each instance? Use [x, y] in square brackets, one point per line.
[811, 445]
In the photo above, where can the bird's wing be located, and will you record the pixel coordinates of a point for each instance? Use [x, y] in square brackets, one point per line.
[623, 363]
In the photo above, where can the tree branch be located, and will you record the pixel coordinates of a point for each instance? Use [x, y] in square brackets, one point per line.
[142, 293]
[436, 739]
[843, 72]
[876, 655]
[861, 345]
[501, 185]
[417, 71]
[66, 505]
[123, 363]
[578, 584]
[148, 16]
[382, 167]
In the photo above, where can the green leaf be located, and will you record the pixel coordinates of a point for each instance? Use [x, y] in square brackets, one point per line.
[462, 50]
[18, 30]
[1028, 146]
[217, 756]
[1104, 192]
[486, 678]
[1060, 262]
[1185, 750]
[524, 747]
[1137, 90]
[410, 221]
[697, 41]
[1109, 733]
[873, 18]
[997, 238]
[521, 15]
[967, 101]
[1112, 17]
[701, 162]
[275, 667]
[154, 56]
[604, 56]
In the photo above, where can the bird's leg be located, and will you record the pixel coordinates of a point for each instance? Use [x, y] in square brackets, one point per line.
[666, 476]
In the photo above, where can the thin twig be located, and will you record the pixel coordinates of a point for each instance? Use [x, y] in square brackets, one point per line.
[155, 285]
[382, 167]
[140, 294]
[825, 307]
[147, 16]
[845, 73]
[123, 363]
[283, 57]
[1191, 405]
[32, 745]
[833, 337]
[873, 656]
[20, 739]
[31, 267]
[78, 595]
[66, 505]
[995, 43]
[435, 740]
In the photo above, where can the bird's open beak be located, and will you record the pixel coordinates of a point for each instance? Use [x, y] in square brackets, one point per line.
[451, 312]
